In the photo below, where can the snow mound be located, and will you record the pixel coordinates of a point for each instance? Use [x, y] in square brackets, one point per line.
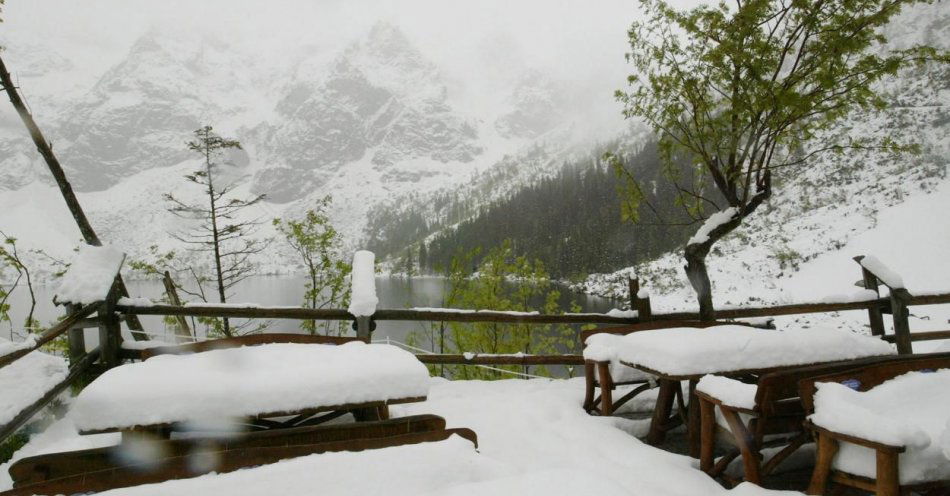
[363, 279]
[248, 381]
[910, 410]
[90, 276]
[27, 380]
[691, 351]
[730, 391]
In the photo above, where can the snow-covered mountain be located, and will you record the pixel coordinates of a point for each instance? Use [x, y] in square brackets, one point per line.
[373, 122]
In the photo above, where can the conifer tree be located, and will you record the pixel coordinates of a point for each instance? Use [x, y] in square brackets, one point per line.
[221, 230]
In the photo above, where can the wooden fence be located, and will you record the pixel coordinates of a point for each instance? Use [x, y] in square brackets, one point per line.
[110, 353]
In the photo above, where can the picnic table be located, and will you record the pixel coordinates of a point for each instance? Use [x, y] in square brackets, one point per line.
[250, 385]
[687, 354]
[244, 401]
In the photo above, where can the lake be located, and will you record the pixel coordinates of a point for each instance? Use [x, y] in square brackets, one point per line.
[393, 292]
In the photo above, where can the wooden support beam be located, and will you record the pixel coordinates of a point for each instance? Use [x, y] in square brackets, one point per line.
[78, 369]
[110, 331]
[182, 330]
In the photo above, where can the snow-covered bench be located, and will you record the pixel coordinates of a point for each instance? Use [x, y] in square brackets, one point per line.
[882, 427]
[755, 416]
[603, 370]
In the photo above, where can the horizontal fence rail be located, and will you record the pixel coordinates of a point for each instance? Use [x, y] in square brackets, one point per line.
[52, 333]
[264, 312]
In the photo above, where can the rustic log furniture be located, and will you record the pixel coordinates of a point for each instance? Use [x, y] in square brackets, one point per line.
[887, 481]
[775, 420]
[100, 469]
[598, 374]
[708, 354]
[265, 438]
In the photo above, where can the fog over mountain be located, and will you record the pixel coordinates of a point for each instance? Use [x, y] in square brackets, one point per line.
[366, 101]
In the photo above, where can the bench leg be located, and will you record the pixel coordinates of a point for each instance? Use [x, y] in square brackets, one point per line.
[606, 389]
[589, 381]
[746, 443]
[661, 413]
[707, 411]
[888, 480]
[827, 448]
[692, 421]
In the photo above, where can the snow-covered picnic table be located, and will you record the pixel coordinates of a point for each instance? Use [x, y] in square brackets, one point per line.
[270, 380]
[688, 353]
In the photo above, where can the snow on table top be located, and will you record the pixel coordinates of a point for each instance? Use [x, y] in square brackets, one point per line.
[890, 278]
[90, 276]
[910, 410]
[729, 391]
[686, 351]
[27, 380]
[248, 381]
[363, 299]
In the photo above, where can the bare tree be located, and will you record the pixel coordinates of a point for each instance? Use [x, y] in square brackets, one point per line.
[221, 231]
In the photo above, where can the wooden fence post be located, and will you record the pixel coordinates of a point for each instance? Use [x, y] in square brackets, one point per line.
[899, 299]
[76, 337]
[364, 328]
[641, 305]
[110, 330]
[875, 319]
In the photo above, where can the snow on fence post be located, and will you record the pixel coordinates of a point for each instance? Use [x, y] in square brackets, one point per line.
[93, 278]
[639, 299]
[363, 299]
[900, 298]
[871, 282]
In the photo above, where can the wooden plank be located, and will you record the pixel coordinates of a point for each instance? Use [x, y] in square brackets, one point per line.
[226, 460]
[920, 336]
[185, 426]
[57, 465]
[27, 413]
[50, 334]
[502, 359]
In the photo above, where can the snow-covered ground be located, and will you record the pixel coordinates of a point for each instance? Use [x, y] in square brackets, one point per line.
[534, 438]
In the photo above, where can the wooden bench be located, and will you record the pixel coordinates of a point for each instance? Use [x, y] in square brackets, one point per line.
[101, 469]
[887, 480]
[272, 436]
[773, 417]
[605, 376]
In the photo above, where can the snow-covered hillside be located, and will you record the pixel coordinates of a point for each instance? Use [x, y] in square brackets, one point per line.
[798, 247]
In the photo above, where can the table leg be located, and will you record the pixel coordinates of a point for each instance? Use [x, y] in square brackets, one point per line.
[693, 426]
[661, 413]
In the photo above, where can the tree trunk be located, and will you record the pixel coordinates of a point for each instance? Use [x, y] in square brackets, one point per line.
[44, 148]
[698, 277]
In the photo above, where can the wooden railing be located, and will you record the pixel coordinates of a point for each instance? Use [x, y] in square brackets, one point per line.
[110, 353]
